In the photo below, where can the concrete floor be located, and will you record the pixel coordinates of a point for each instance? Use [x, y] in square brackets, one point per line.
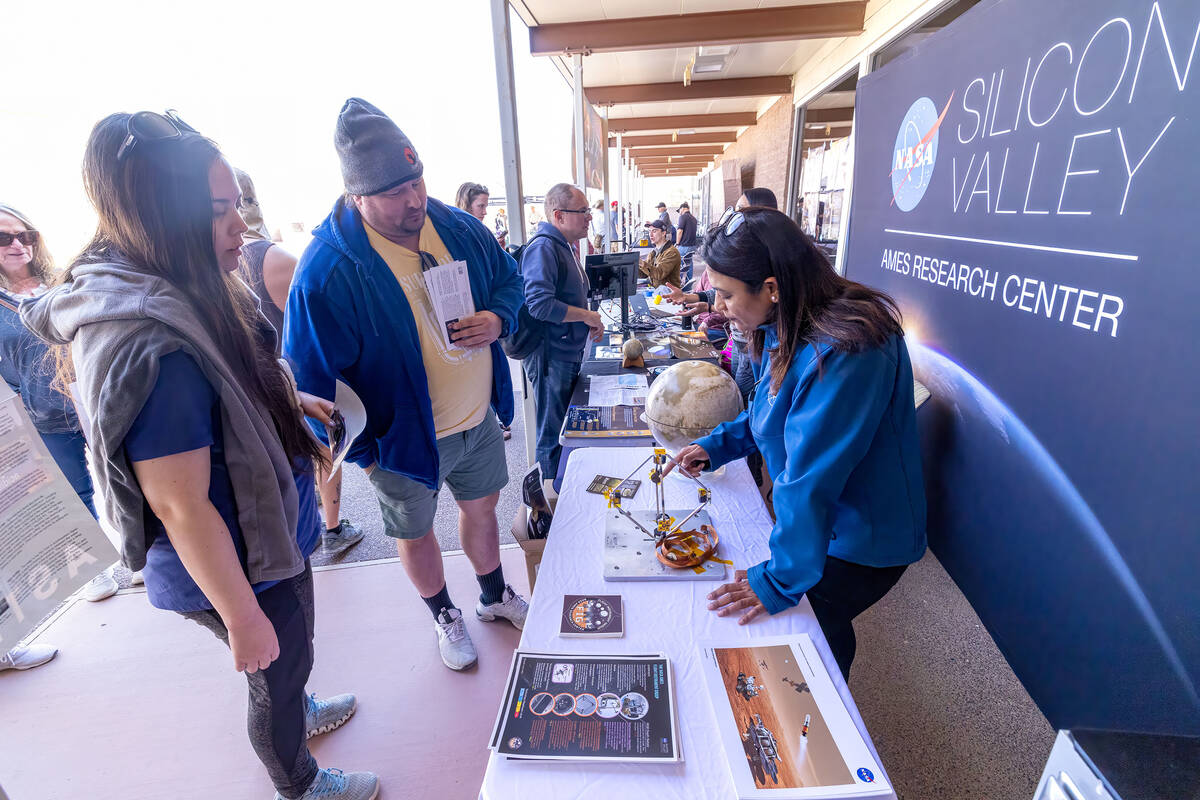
[947, 714]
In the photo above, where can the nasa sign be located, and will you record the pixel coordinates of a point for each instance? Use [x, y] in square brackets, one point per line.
[1026, 193]
[915, 153]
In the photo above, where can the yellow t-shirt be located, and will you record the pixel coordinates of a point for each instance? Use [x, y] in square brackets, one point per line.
[460, 381]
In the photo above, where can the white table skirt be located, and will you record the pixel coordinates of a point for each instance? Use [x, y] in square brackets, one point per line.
[660, 617]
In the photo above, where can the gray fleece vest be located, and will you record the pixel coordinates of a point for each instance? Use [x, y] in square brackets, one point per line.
[119, 323]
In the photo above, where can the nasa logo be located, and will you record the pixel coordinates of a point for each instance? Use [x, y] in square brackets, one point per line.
[410, 156]
[866, 775]
[915, 153]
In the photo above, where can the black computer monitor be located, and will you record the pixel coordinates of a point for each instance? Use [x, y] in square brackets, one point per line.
[612, 276]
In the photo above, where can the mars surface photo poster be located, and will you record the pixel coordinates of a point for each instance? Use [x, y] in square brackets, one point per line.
[782, 724]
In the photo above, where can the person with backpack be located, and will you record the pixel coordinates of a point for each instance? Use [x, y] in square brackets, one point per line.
[556, 289]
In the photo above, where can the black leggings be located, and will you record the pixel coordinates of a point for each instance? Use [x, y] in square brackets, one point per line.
[845, 591]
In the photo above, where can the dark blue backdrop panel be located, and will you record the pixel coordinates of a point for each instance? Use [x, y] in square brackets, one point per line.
[1025, 186]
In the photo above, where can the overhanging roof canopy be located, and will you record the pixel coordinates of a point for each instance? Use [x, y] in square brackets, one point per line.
[705, 72]
[733, 26]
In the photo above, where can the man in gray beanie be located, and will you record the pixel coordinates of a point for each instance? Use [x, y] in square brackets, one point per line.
[360, 312]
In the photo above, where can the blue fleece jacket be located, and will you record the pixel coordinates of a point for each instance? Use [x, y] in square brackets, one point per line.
[553, 281]
[348, 319]
[840, 444]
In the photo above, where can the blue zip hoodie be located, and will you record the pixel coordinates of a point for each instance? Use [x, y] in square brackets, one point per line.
[553, 281]
[840, 444]
[348, 319]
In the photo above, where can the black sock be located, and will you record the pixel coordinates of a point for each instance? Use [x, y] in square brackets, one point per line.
[439, 601]
[492, 585]
[335, 529]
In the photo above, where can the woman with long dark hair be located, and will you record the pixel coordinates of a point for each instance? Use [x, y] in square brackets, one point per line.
[199, 446]
[833, 416]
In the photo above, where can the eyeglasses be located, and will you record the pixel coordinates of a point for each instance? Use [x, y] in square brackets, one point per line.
[428, 261]
[576, 210]
[731, 220]
[27, 238]
[149, 126]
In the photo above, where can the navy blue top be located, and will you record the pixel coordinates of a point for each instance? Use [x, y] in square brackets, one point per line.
[554, 280]
[26, 367]
[183, 413]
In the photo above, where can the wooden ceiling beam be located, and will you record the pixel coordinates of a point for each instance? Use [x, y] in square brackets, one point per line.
[737, 119]
[710, 150]
[760, 86]
[829, 115]
[659, 139]
[675, 159]
[819, 21]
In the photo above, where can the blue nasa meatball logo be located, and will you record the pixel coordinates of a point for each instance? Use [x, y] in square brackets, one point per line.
[866, 775]
[915, 153]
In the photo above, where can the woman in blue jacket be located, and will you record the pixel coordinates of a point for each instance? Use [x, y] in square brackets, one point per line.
[832, 414]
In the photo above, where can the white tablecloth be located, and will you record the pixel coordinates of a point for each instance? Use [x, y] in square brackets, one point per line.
[659, 617]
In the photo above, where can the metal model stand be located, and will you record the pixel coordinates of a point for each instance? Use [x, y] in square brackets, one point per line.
[675, 547]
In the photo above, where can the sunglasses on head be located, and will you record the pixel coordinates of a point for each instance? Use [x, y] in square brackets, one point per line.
[730, 221]
[27, 238]
[149, 126]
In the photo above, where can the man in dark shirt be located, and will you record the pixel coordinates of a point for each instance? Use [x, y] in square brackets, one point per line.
[556, 289]
[685, 239]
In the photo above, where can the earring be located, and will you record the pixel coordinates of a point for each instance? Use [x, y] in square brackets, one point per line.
[774, 299]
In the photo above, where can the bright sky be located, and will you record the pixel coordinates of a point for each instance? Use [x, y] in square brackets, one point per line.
[265, 79]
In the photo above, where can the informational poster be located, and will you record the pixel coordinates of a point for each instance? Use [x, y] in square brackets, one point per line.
[594, 146]
[50, 545]
[783, 726]
[588, 708]
[1025, 187]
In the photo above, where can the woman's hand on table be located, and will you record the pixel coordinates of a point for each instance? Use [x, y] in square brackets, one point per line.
[734, 597]
[690, 460]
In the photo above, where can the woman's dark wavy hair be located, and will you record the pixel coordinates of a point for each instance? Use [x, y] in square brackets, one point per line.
[816, 305]
[155, 214]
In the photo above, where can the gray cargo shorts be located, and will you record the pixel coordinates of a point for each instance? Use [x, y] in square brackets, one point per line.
[472, 463]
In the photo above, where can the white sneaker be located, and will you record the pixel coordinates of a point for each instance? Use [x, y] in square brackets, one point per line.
[136, 579]
[511, 607]
[455, 645]
[27, 657]
[100, 587]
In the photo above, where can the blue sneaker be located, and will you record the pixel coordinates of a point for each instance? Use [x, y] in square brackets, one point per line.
[323, 716]
[333, 784]
[341, 538]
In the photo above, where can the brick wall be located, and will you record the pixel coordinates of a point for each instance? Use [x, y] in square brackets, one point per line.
[763, 149]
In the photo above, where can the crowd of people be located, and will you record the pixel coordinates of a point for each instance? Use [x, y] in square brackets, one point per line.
[205, 357]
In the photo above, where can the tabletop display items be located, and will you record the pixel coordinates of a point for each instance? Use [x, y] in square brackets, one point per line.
[592, 616]
[632, 351]
[688, 400]
[654, 544]
[782, 724]
[570, 707]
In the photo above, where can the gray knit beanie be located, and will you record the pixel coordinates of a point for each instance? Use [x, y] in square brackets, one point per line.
[375, 153]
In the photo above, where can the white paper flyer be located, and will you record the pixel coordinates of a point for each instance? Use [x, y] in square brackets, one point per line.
[50, 545]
